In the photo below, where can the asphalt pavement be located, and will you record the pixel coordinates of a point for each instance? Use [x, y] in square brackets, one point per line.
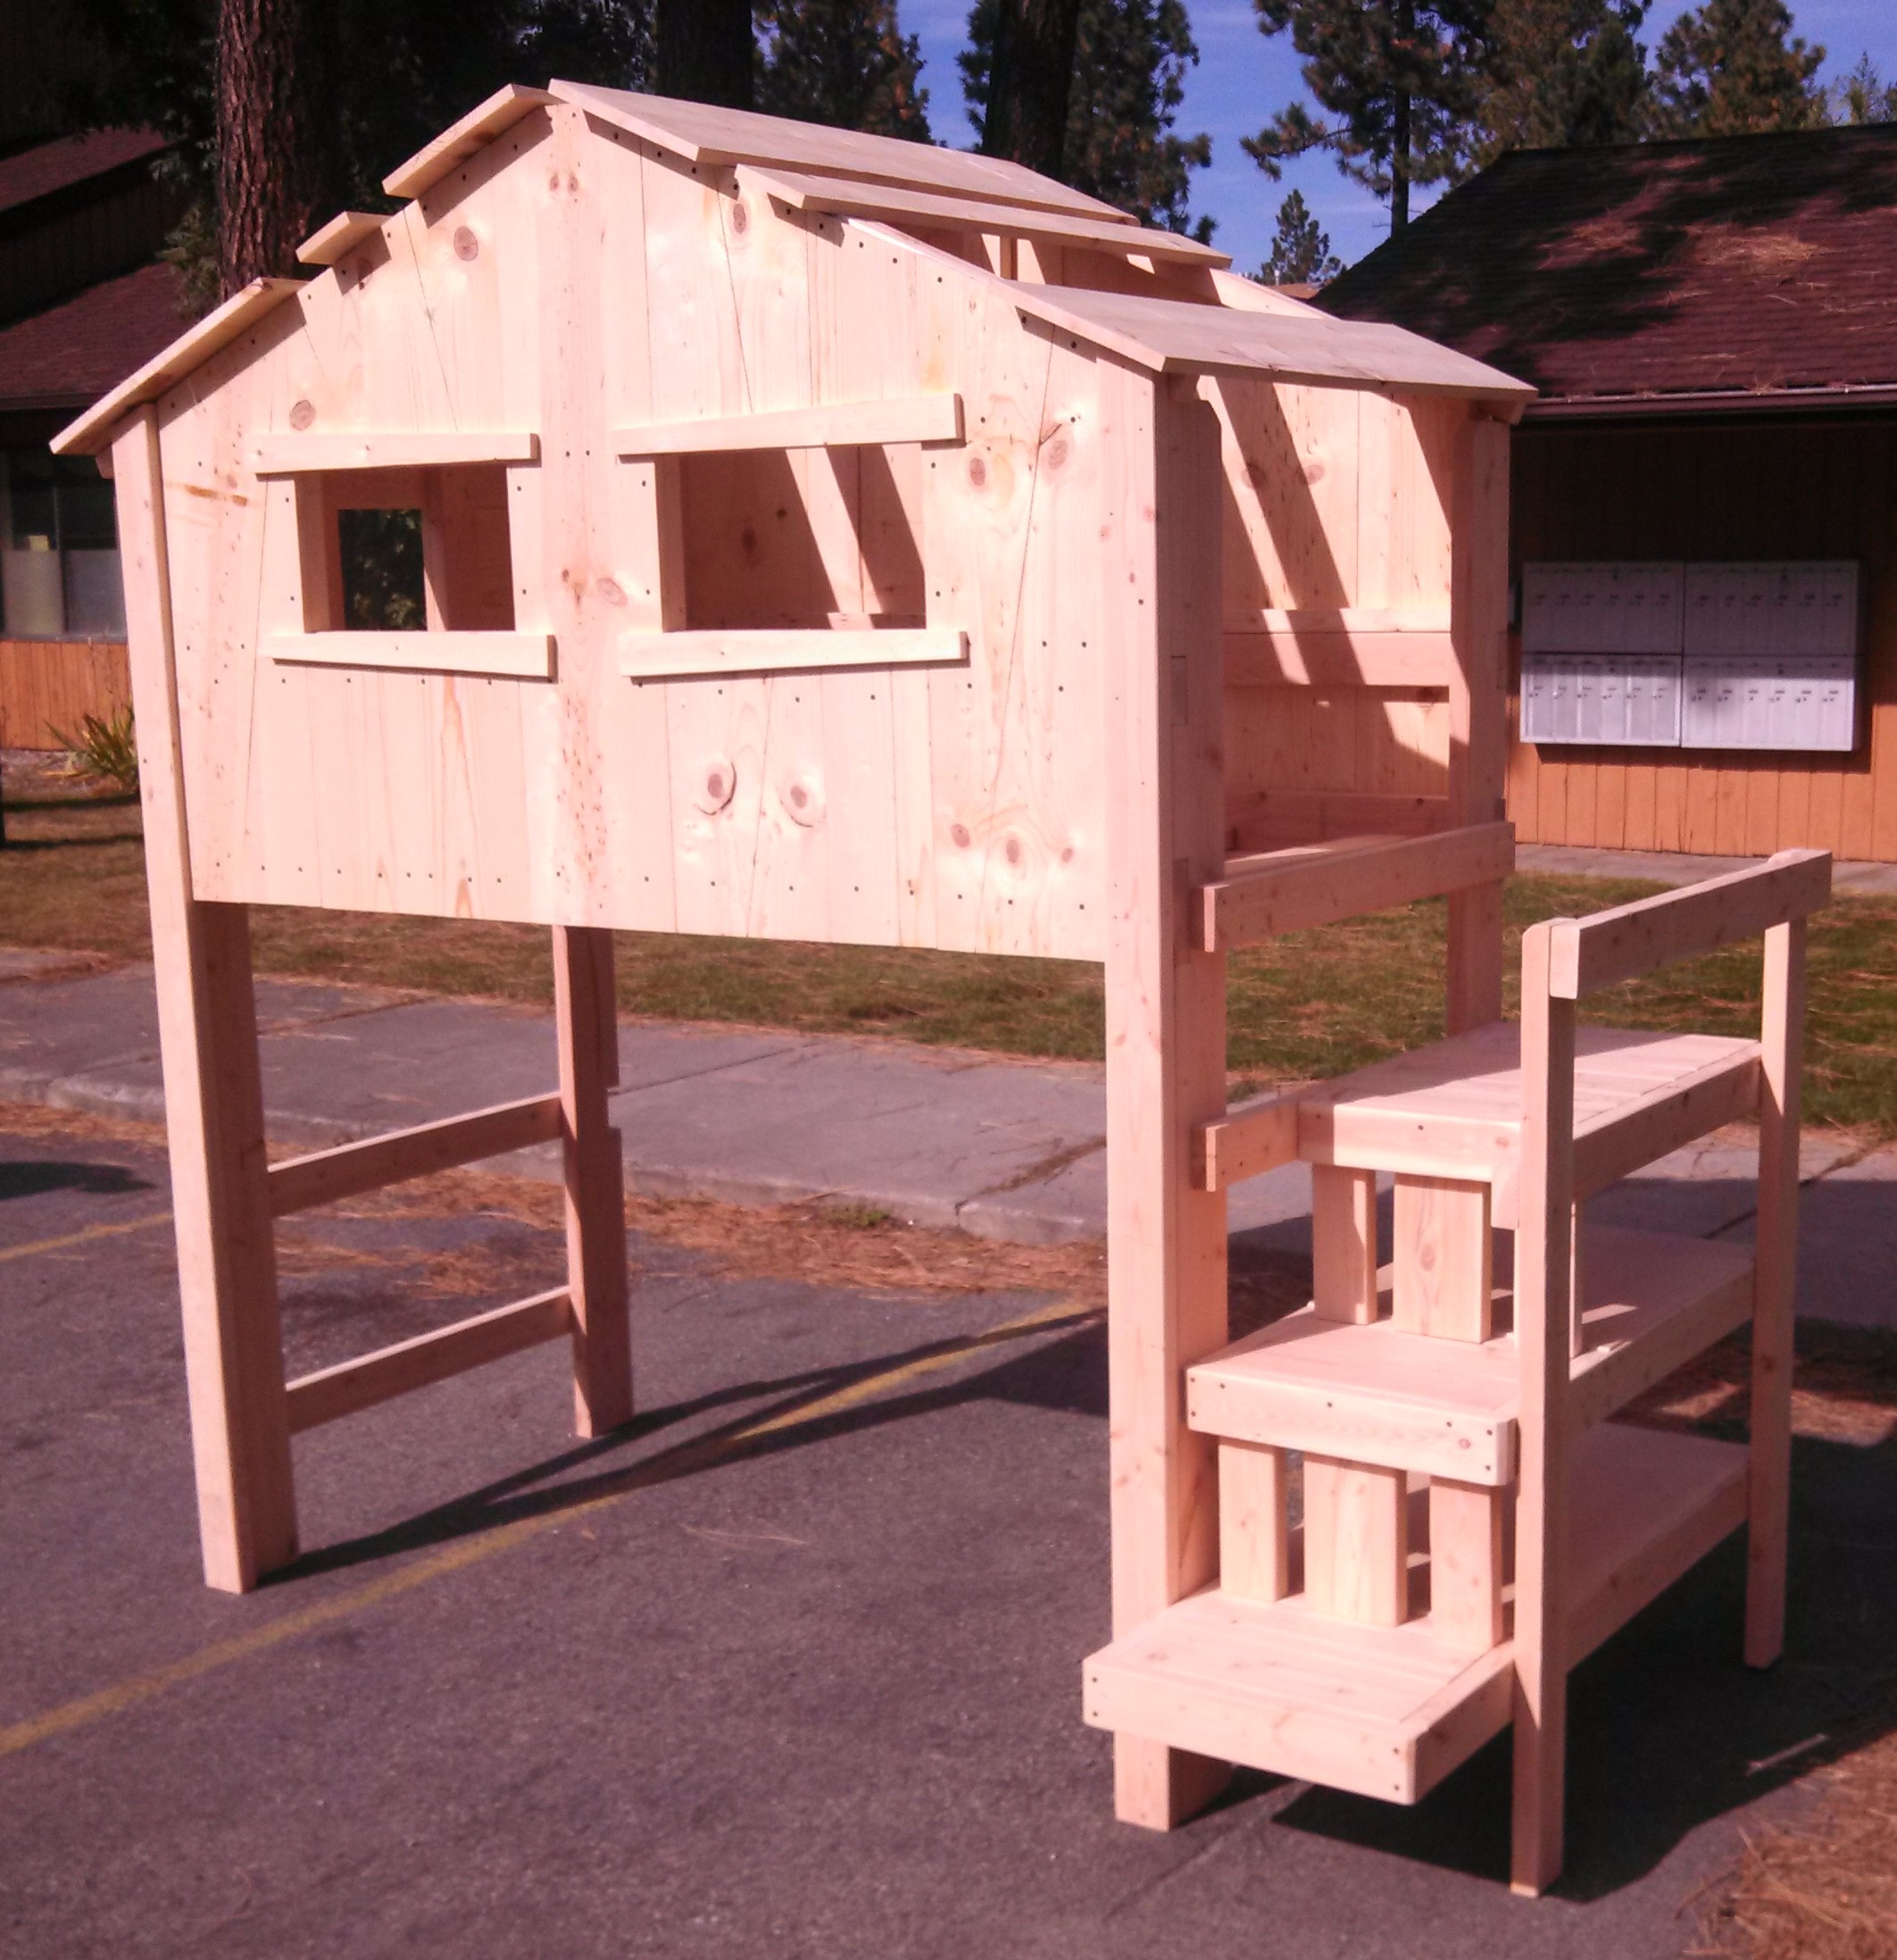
[792, 1667]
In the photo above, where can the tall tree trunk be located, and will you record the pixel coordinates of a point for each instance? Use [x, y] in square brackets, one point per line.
[276, 138]
[1030, 77]
[704, 50]
[1400, 163]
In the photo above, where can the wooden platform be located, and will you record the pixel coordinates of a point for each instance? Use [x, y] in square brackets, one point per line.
[1454, 1110]
[1373, 1393]
[1389, 1712]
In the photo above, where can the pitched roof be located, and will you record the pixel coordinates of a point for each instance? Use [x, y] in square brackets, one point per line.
[50, 167]
[1742, 272]
[75, 351]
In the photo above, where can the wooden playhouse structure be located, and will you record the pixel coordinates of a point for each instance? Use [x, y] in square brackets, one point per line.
[827, 537]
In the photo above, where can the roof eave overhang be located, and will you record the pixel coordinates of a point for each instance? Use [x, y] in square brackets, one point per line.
[1724, 403]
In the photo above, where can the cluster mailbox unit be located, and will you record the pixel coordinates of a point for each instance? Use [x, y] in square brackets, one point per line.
[834, 538]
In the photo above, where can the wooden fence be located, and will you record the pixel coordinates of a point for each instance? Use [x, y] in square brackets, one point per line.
[47, 684]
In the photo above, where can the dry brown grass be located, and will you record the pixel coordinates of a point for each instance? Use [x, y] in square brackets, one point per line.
[1826, 1888]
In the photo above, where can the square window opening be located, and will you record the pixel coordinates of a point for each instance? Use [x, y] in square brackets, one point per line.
[806, 539]
[407, 551]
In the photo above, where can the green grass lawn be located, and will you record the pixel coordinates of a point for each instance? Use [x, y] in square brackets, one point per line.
[1310, 1005]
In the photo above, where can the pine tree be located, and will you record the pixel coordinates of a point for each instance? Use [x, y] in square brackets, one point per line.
[1733, 68]
[1025, 52]
[1301, 253]
[1564, 74]
[846, 63]
[1863, 95]
[1129, 79]
[1402, 81]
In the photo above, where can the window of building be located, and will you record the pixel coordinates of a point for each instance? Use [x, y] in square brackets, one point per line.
[59, 549]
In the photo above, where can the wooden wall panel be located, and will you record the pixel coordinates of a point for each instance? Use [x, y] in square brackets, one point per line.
[1765, 489]
[47, 684]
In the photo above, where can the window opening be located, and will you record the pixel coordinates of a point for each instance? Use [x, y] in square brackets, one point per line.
[59, 549]
[384, 589]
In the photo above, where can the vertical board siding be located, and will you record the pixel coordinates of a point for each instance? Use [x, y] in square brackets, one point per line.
[1816, 490]
[48, 684]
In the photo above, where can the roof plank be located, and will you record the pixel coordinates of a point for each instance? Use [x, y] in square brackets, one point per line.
[852, 198]
[700, 133]
[475, 130]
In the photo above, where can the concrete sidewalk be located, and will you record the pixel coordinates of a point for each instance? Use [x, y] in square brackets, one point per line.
[1004, 1149]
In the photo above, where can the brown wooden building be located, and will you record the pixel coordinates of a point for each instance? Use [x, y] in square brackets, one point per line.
[1713, 327]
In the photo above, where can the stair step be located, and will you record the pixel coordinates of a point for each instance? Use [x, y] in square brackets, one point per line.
[1373, 1393]
[1389, 1711]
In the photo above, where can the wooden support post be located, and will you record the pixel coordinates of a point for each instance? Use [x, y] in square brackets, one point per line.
[1254, 1520]
[1775, 1283]
[1477, 735]
[207, 1030]
[1465, 1563]
[1357, 1541]
[1165, 1047]
[596, 1178]
[1343, 1243]
[1442, 1279]
[1542, 1274]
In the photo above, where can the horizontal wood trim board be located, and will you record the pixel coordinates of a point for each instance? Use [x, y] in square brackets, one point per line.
[668, 656]
[525, 656]
[1314, 885]
[1248, 1140]
[1329, 658]
[377, 1162]
[1629, 940]
[389, 1372]
[351, 449]
[904, 418]
[340, 236]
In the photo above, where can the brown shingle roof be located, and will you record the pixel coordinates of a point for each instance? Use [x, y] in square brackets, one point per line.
[73, 352]
[68, 160]
[1744, 267]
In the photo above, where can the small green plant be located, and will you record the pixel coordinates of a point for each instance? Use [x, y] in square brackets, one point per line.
[102, 751]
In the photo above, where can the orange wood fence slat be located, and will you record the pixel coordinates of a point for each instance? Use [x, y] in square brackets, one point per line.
[47, 684]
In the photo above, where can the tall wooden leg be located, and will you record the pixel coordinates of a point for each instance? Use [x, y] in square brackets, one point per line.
[1343, 1243]
[596, 1175]
[1165, 1057]
[1774, 1299]
[207, 1030]
[1541, 1274]
[1479, 624]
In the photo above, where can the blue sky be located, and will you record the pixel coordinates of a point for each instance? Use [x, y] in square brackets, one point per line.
[1242, 77]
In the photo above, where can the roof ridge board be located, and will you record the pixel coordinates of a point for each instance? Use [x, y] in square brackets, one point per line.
[459, 140]
[93, 431]
[668, 122]
[804, 190]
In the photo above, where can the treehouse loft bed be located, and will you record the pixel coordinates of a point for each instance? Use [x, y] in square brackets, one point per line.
[827, 537]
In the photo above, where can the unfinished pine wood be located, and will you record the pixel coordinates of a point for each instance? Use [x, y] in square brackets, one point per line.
[1465, 1563]
[426, 449]
[1166, 1241]
[1441, 1259]
[1632, 940]
[1781, 1044]
[350, 1386]
[1378, 1393]
[1252, 1136]
[207, 1031]
[1276, 892]
[521, 656]
[330, 244]
[587, 1032]
[672, 656]
[1389, 1711]
[1343, 1243]
[909, 418]
[1356, 1541]
[375, 1162]
[1356, 656]
[1254, 1520]
[1541, 1276]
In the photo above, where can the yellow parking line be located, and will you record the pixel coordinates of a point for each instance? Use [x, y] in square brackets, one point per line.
[134, 1689]
[85, 1237]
